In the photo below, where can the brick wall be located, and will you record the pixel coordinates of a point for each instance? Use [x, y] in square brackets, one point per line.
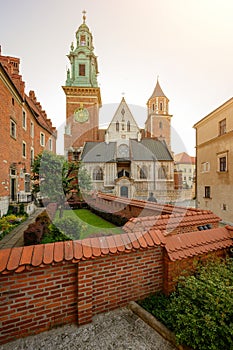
[110, 282]
[36, 300]
[45, 285]
[173, 269]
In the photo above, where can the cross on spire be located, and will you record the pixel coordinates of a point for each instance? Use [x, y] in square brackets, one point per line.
[84, 15]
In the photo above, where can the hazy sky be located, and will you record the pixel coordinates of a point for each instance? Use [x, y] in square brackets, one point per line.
[187, 43]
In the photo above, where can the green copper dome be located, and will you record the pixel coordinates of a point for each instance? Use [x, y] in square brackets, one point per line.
[84, 68]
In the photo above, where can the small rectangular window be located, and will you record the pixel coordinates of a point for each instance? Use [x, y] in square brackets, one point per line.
[27, 182]
[32, 129]
[50, 144]
[222, 164]
[222, 127]
[32, 157]
[42, 139]
[24, 120]
[207, 191]
[24, 149]
[82, 72]
[205, 167]
[13, 129]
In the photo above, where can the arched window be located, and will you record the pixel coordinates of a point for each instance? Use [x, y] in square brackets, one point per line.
[122, 126]
[161, 106]
[160, 125]
[162, 174]
[117, 126]
[128, 125]
[98, 174]
[143, 172]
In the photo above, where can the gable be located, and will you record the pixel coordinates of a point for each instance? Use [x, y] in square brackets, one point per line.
[123, 124]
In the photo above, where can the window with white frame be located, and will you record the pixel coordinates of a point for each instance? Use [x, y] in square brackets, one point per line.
[222, 162]
[24, 149]
[42, 139]
[13, 129]
[24, 120]
[27, 182]
[205, 167]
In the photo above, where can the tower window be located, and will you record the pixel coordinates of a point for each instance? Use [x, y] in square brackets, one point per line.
[160, 125]
[83, 40]
[82, 70]
[122, 126]
[161, 106]
[128, 125]
[117, 126]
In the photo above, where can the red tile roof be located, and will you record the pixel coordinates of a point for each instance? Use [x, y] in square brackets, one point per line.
[177, 246]
[184, 158]
[19, 259]
[195, 243]
[171, 222]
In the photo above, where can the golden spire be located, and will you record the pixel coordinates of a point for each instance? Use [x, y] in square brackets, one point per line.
[84, 16]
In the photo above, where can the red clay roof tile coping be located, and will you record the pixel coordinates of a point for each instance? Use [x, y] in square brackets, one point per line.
[177, 246]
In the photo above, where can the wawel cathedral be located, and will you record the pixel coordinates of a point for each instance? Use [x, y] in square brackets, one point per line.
[122, 159]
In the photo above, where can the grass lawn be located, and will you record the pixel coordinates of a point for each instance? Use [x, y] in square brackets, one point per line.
[94, 223]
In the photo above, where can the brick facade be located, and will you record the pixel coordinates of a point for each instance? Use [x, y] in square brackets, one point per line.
[23, 123]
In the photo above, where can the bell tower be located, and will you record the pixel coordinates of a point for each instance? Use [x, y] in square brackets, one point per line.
[83, 98]
[158, 123]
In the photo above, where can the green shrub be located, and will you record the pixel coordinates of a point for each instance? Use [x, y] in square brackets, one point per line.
[53, 235]
[158, 305]
[200, 311]
[202, 308]
[64, 229]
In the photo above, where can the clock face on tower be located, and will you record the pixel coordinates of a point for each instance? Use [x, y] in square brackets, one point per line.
[81, 115]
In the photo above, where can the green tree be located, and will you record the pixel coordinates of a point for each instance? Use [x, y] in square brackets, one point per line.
[55, 178]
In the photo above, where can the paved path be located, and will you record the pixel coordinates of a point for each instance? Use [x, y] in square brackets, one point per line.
[15, 237]
[120, 329]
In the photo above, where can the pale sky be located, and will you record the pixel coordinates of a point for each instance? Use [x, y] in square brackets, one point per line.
[187, 43]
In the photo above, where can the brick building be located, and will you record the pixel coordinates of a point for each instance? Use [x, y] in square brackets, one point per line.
[26, 131]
